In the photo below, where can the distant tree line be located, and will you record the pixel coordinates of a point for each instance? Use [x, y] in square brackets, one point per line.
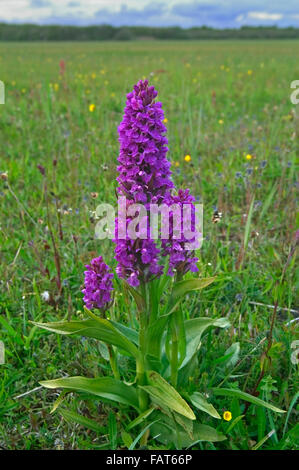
[33, 32]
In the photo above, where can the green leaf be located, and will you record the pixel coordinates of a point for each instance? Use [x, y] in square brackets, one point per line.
[127, 439]
[194, 329]
[112, 428]
[59, 400]
[202, 432]
[292, 404]
[154, 334]
[100, 329]
[11, 332]
[185, 423]
[248, 223]
[267, 202]
[229, 392]
[132, 446]
[140, 418]
[198, 400]
[73, 417]
[234, 423]
[233, 352]
[167, 432]
[186, 372]
[165, 395]
[105, 387]
[183, 287]
[262, 441]
[129, 333]
[290, 440]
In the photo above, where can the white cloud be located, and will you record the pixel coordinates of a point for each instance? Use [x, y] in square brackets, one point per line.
[263, 15]
[39, 10]
[186, 13]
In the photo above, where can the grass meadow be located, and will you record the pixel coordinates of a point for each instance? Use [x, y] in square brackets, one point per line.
[227, 106]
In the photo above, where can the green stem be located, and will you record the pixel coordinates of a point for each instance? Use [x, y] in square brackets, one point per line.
[113, 362]
[140, 362]
[174, 353]
[140, 371]
[140, 379]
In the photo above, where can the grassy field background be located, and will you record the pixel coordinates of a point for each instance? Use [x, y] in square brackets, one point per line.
[228, 106]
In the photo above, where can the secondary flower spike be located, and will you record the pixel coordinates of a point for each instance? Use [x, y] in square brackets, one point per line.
[180, 259]
[98, 285]
[144, 171]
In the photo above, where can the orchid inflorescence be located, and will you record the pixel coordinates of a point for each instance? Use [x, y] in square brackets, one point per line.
[145, 176]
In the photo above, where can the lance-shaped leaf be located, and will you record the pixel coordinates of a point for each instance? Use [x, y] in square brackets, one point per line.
[183, 287]
[202, 432]
[198, 400]
[129, 333]
[100, 329]
[167, 432]
[105, 387]
[194, 329]
[73, 417]
[154, 334]
[140, 418]
[164, 395]
[230, 392]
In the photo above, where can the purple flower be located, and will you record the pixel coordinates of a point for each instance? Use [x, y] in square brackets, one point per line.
[144, 177]
[137, 259]
[181, 260]
[144, 171]
[98, 285]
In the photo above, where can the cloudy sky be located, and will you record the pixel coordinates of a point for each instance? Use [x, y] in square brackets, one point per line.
[185, 13]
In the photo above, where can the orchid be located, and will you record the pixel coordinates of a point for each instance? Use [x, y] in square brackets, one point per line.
[155, 276]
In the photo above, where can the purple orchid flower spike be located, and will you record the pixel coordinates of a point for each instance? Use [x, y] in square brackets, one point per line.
[98, 285]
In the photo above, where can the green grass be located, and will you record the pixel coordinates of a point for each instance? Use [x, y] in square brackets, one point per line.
[223, 101]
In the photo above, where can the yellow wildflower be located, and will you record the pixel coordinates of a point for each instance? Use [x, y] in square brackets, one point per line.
[92, 107]
[187, 158]
[227, 416]
[248, 156]
[165, 120]
[220, 121]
